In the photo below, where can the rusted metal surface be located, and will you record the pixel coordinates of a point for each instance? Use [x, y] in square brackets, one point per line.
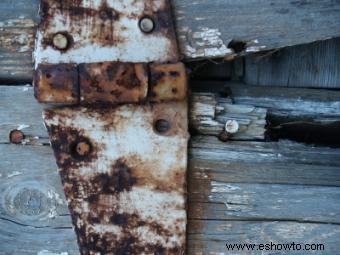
[56, 84]
[124, 173]
[91, 31]
[113, 82]
[110, 82]
[168, 82]
[123, 155]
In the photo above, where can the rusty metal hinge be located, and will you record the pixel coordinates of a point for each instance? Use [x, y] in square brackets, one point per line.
[121, 141]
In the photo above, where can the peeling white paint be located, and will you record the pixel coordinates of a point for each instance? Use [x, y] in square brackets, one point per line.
[205, 42]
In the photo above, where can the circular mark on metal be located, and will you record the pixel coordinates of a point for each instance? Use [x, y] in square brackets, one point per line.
[146, 24]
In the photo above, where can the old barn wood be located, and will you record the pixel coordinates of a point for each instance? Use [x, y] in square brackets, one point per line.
[206, 29]
[275, 180]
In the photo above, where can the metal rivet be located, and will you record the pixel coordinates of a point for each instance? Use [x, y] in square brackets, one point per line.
[60, 41]
[16, 136]
[146, 24]
[162, 126]
[83, 148]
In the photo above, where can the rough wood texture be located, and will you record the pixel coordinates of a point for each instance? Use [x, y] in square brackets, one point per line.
[313, 65]
[309, 104]
[205, 28]
[239, 191]
[209, 114]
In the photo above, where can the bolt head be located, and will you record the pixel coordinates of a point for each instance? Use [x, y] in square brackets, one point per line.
[60, 41]
[232, 126]
[146, 24]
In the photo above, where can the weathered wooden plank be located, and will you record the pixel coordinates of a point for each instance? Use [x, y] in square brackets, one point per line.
[309, 104]
[229, 201]
[30, 187]
[313, 65]
[208, 115]
[33, 209]
[19, 110]
[210, 237]
[205, 28]
[258, 152]
[260, 182]
[207, 166]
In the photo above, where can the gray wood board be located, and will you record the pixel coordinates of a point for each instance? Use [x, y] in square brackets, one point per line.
[239, 191]
[313, 65]
[211, 236]
[205, 28]
[33, 209]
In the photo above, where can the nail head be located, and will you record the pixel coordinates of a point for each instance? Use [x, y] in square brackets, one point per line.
[16, 136]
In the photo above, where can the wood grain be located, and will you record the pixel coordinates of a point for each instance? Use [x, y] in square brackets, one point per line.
[205, 29]
[309, 104]
[314, 65]
[239, 191]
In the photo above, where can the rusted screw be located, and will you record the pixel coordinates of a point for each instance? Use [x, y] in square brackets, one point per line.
[60, 41]
[162, 126]
[16, 136]
[83, 148]
[146, 24]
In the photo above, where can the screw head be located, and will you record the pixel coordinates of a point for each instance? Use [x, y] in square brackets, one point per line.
[162, 126]
[16, 136]
[83, 149]
[60, 41]
[146, 24]
[232, 126]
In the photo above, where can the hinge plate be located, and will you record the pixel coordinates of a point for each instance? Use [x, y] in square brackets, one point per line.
[126, 192]
[122, 154]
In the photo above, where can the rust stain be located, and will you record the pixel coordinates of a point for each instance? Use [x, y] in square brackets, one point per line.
[168, 82]
[56, 84]
[113, 82]
[102, 24]
[124, 199]
[122, 158]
